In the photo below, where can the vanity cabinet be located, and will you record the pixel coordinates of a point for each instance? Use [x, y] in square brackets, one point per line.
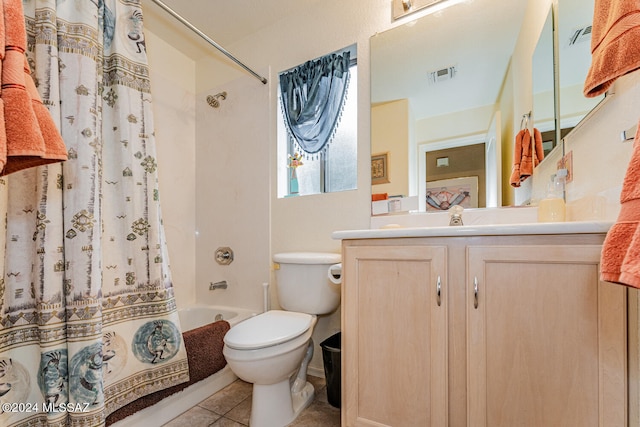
[546, 340]
[482, 331]
[396, 368]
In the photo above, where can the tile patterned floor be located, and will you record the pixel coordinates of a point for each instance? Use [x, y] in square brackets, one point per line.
[231, 407]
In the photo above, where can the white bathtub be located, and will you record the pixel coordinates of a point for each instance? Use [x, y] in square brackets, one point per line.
[199, 315]
[162, 412]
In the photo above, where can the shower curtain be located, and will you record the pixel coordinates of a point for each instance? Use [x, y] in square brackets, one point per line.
[88, 321]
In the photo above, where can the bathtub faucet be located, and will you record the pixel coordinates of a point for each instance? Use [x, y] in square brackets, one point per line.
[218, 285]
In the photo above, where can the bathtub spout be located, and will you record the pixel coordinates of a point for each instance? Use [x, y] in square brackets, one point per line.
[218, 285]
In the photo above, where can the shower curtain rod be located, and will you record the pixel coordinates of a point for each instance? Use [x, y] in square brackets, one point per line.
[208, 39]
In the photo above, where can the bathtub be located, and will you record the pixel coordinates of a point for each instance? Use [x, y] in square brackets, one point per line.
[199, 315]
[162, 412]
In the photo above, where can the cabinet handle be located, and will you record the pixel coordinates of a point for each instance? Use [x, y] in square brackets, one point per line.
[438, 291]
[475, 292]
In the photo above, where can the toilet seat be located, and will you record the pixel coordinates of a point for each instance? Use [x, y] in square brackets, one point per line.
[268, 329]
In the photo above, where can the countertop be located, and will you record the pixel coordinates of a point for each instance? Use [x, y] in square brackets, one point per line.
[577, 227]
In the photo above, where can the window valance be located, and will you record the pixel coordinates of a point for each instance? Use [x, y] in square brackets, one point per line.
[312, 96]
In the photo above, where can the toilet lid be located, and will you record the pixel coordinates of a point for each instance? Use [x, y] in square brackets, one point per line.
[267, 329]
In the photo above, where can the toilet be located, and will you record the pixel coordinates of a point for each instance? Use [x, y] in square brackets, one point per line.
[272, 350]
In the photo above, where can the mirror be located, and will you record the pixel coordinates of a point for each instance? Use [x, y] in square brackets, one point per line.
[574, 40]
[439, 78]
[543, 114]
[436, 84]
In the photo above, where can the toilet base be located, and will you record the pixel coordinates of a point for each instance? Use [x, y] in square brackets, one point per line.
[302, 399]
[275, 406]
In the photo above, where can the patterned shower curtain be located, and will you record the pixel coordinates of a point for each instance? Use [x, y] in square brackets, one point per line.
[88, 321]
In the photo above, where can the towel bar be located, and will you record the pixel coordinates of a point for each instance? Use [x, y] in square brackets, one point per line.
[629, 134]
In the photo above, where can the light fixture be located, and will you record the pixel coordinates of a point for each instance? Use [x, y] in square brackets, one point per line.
[401, 8]
[442, 162]
[442, 74]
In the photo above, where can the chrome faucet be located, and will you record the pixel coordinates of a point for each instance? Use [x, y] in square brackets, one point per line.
[218, 285]
[456, 215]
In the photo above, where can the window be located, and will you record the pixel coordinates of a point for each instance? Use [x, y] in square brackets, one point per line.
[334, 168]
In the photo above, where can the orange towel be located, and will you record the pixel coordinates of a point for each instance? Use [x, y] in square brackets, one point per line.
[620, 262]
[32, 138]
[523, 163]
[615, 44]
[615, 50]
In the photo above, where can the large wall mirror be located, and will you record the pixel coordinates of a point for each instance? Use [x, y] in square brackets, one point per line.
[574, 46]
[443, 82]
[544, 93]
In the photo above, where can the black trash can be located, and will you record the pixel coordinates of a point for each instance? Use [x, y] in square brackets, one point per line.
[332, 371]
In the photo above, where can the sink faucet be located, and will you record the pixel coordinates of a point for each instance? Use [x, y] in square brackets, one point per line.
[218, 285]
[456, 215]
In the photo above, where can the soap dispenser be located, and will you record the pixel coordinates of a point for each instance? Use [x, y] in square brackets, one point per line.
[552, 207]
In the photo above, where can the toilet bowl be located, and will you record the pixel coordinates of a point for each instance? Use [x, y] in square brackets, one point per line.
[272, 350]
[267, 350]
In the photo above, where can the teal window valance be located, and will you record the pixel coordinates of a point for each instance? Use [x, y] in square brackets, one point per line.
[312, 96]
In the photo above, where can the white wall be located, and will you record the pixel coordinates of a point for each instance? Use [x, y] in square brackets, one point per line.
[465, 123]
[233, 182]
[173, 88]
[306, 223]
[300, 223]
[600, 158]
[390, 129]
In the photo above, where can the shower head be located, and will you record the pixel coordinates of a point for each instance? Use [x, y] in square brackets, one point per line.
[214, 100]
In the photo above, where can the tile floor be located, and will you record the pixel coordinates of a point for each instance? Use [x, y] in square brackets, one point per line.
[231, 407]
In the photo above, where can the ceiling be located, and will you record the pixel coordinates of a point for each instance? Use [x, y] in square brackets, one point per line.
[226, 22]
[470, 35]
[475, 36]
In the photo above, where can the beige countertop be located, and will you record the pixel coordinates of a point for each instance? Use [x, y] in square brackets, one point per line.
[577, 227]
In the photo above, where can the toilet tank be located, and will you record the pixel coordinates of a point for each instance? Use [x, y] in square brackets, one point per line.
[302, 282]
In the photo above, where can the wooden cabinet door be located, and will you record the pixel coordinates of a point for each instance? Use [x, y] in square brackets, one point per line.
[546, 338]
[394, 351]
